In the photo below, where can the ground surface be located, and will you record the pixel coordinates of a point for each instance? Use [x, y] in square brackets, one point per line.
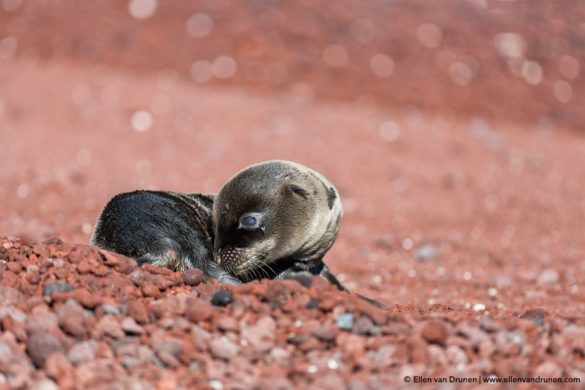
[461, 174]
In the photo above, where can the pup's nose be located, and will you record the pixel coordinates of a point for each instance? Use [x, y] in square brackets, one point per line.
[218, 254]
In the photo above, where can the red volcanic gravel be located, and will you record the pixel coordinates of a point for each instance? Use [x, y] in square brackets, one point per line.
[80, 317]
[453, 131]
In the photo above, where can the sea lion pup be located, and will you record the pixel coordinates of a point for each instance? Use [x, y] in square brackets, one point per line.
[166, 229]
[277, 219]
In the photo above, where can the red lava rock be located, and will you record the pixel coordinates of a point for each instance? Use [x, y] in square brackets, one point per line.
[516, 367]
[325, 332]
[456, 355]
[130, 326]
[82, 352]
[227, 323]
[260, 336]
[165, 307]
[40, 345]
[137, 310]
[108, 325]
[193, 277]
[198, 310]
[14, 267]
[59, 369]
[72, 319]
[85, 298]
[223, 348]
[351, 344]
[156, 270]
[120, 263]
[435, 332]
[150, 290]
[16, 327]
[364, 326]
[418, 353]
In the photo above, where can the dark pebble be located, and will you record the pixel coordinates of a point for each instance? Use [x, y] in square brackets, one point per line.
[312, 304]
[221, 298]
[51, 288]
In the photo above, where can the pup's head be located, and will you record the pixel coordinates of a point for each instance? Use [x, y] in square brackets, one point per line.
[274, 212]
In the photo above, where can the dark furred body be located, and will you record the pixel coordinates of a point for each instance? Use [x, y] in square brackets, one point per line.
[162, 228]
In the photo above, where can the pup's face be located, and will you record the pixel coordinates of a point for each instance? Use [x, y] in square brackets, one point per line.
[260, 217]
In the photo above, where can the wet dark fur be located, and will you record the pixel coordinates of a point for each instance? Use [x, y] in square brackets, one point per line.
[162, 228]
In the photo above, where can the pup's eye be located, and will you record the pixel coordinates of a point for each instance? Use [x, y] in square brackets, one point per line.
[249, 221]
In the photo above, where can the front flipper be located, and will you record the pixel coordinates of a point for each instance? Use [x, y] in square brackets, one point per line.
[212, 270]
[215, 271]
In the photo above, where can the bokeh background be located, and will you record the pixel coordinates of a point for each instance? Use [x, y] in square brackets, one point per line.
[453, 129]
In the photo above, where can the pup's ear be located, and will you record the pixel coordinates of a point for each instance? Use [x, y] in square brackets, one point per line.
[301, 191]
[331, 196]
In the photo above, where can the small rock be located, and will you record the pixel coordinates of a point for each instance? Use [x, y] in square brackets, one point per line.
[110, 309]
[456, 355]
[426, 252]
[51, 288]
[222, 298]
[193, 277]
[345, 321]
[510, 343]
[325, 332]
[223, 348]
[44, 384]
[72, 318]
[130, 326]
[168, 359]
[58, 368]
[418, 353]
[364, 326]
[198, 310]
[535, 315]
[435, 332]
[312, 304]
[40, 345]
[138, 277]
[108, 325]
[548, 369]
[137, 310]
[383, 358]
[82, 352]
[228, 323]
[548, 276]
[261, 335]
[150, 290]
[85, 298]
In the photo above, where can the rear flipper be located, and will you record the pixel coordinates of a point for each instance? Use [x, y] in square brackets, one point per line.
[326, 273]
[322, 270]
